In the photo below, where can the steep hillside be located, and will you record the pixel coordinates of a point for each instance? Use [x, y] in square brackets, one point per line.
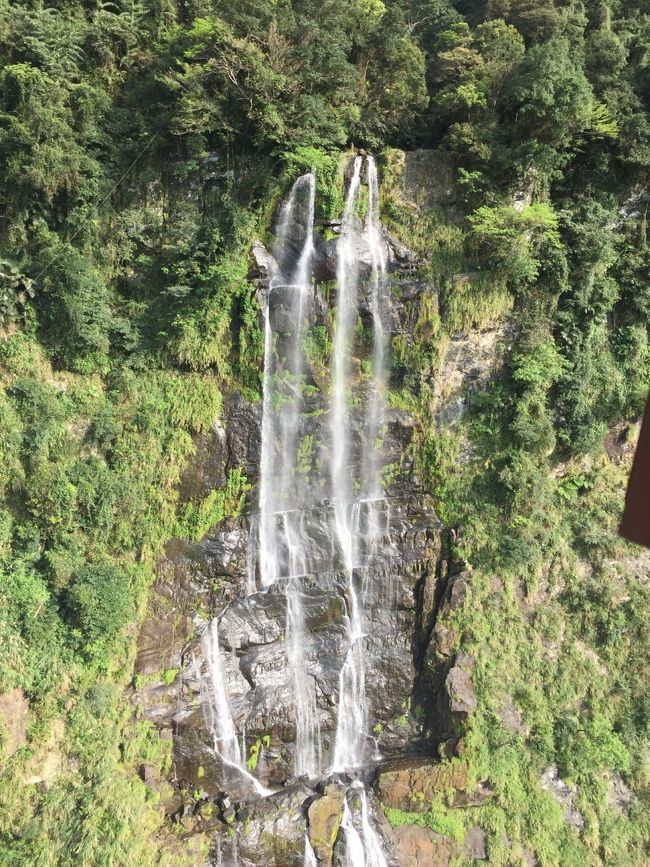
[144, 149]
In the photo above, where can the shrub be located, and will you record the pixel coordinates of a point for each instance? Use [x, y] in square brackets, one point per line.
[99, 602]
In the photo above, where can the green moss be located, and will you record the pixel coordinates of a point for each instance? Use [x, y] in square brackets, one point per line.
[438, 818]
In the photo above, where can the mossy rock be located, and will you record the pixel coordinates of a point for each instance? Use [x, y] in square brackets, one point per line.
[325, 815]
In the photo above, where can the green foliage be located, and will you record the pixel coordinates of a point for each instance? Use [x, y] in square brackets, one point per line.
[437, 818]
[511, 241]
[197, 518]
[142, 151]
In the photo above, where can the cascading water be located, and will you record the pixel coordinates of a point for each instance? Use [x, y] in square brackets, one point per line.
[352, 710]
[281, 405]
[363, 845]
[374, 416]
[351, 732]
[357, 515]
[310, 856]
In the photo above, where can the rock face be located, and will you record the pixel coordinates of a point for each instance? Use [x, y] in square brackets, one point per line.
[420, 847]
[410, 589]
[564, 794]
[325, 815]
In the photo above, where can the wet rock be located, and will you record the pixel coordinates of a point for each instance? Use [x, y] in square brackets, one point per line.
[207, 469]
[397, 251]
[283, 300]
[444, 638]
[325, 261]
[242, 421]
[325, 814]
[14, 710]
[263, 264]
[272, 831]
[460, 689]
[564, 794]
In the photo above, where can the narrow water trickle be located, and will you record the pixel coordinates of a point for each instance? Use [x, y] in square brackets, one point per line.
[224, 733]
[350, 728]
[351, 735]
[310, 855]
[363, 844]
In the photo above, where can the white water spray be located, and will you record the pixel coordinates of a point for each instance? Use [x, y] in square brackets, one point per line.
[363, 845]
[374, 414]
[310, 855]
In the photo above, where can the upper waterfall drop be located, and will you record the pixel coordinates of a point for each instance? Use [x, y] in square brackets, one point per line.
[356, 517]
[372, 488]
[281, 402]
[347, 275]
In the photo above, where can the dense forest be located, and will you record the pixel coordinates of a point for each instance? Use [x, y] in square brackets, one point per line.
[143, 146]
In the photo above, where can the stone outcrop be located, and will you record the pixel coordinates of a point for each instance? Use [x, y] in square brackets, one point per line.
[325, 814]
[14, 710]
[459, 685]
[411, 784]
[421, 847]
[564, 794]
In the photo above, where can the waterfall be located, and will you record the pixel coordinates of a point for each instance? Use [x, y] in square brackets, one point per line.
[347, 274]
[282, 552]
[351, 724]
[285, 533]
[310, 855]
[281, 408]
[224, 734]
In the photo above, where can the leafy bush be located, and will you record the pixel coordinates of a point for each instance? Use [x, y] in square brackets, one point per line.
[99, 601]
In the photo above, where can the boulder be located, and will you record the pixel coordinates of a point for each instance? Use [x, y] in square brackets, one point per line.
[271, 831]
[325, 814]
[411, 784]
[420, 847]
[14, 710]
[460, 689]
[619, 796]
[475, 843]
[263, 265]
[564, 794]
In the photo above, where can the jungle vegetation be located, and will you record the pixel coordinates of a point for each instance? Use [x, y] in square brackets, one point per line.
[143, 144]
